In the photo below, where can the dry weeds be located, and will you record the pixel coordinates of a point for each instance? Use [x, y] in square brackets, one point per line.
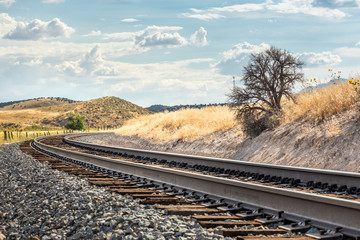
[185, 124]
[320, 104]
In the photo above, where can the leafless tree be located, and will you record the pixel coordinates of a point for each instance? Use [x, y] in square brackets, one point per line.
[269, 76]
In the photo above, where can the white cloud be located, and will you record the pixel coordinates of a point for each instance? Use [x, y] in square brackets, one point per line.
[162, 36]
[199, 37]
[7, 23]
[348, 52]
[93, 33]
[159, 36]
[233, 60]
[123, 36]
[7, 2]
[90, 62]
[203, 16]
[313, 59]
[129, 20]
[241, 8]
[53, 1]
[151, 36]
[337, 3]
[34, 62]
[38, 30]
[306, 7]
[160, 39]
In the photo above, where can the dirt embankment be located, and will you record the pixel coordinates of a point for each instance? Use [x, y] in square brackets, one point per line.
[331, 144]
[220, 144]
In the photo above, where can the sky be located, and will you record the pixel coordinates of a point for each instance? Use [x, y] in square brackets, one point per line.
[165, 52]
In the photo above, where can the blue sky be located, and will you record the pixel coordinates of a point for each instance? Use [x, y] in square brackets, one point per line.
[164, 52]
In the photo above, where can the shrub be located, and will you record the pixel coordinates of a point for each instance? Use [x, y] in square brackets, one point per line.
[253, 125]
[75, 122]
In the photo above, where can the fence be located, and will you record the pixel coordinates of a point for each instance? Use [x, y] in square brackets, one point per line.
[18, 136]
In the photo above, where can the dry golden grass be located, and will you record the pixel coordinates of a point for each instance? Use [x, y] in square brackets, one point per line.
[25, 116]
[185, 124]
[320, 104]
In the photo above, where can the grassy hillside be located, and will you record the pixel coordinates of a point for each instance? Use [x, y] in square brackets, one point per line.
[106, 112]
[34, 103]
[191, 124]
[185, 124]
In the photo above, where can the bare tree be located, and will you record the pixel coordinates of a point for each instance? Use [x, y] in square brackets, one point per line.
[269, 76]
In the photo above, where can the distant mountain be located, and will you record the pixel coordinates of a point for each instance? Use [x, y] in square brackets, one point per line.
[106, 112]
[163, 108]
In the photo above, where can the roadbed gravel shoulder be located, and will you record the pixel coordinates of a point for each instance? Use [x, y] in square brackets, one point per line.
[37, 202]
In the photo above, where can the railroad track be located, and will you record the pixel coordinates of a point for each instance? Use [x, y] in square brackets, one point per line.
[228, 193]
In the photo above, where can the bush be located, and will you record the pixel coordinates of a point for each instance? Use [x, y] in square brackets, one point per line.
[253, 125]
[75, 122]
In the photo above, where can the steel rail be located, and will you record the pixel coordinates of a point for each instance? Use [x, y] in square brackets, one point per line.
[330, 210]
[350, 179]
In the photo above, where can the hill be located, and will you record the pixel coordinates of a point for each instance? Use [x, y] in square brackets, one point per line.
[106, 112]
[109, 112]
[34, 103]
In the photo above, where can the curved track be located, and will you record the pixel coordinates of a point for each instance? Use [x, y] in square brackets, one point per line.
[342, 216]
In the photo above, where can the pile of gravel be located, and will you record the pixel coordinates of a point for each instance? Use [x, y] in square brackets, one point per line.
[41, 203]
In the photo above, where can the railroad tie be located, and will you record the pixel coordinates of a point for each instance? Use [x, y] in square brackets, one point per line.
[244, 232]
[163, 200]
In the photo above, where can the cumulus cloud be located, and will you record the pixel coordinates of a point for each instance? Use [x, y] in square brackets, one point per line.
[199, 37]
[38, 30]
[151, 36]
[154, 36]
[89, 63]
[7, 23]
[313, 59]
[159, 36]
[93, 33]
[233, 60]
[7, 2]
[129, 20]
[92, 59]
[306, 7]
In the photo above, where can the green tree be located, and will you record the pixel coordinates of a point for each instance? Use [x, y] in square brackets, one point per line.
[75, 122]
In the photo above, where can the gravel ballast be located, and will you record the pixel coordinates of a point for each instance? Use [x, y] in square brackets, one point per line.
[42, 203]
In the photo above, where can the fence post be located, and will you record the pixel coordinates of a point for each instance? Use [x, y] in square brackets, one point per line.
[5, 136]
